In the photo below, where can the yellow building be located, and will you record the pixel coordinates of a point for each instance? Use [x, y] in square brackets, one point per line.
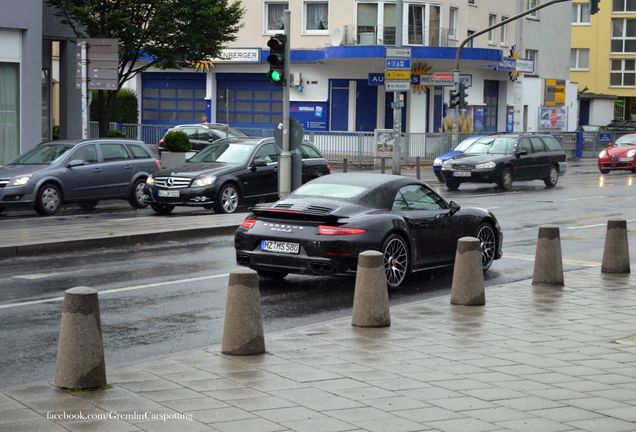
[603, 57]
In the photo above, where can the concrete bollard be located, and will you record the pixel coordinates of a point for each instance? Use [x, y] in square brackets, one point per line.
[616, 250]
[468, 274]
[371, 298]
[548, 264]
[80, 353]
[243, 327]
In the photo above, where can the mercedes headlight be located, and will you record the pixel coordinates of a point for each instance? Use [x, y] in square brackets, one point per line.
[438, 161]
[486, 165]
[204, 181]
[150, 181]
[602, 154]
[631, 153]
[447, 167]
[20, 181]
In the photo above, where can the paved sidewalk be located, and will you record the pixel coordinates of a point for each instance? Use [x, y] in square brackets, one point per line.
[534, 358]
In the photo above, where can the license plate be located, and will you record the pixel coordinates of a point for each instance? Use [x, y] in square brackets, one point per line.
[168, 193]
[280, 247]
[625, 159]
[461, 174]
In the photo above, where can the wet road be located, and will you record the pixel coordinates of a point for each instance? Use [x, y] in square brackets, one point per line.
[167, 297]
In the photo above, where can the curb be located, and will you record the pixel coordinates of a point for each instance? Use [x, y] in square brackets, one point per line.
[111, 241]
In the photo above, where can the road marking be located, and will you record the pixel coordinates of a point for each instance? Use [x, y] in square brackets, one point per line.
[36, 276]
[586, 198]
[594, 225]
[118, 290]
[565, 261]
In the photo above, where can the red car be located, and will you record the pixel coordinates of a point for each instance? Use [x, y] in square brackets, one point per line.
[620, 155]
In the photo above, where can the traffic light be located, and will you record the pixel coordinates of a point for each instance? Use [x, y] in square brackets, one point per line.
[463, 104]
[594, 6]
[454, 99]
[276, 59]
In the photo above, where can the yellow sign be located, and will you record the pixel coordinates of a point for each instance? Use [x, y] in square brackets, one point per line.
[397, 75]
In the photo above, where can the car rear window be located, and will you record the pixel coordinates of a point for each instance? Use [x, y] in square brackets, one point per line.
[114, 152]
[310, 152]
[138, 152]
[552, 143]
[328, 190]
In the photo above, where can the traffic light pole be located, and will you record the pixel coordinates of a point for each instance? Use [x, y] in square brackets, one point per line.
[456, 71]
[285, 160]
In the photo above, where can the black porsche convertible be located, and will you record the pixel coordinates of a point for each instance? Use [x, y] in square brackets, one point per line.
[322, 227]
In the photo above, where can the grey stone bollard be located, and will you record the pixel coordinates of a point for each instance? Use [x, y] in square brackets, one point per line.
[616, 250]
[371, 297]
[468, 275]
[548, 264]
[243, 327]
[80, 353]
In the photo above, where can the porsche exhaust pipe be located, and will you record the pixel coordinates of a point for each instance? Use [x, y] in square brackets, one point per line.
[321, 268]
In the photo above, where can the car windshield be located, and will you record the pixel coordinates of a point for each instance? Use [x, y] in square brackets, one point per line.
[626, 140]
[462, 146]
[328, 190]
[492, 145]
[42, 155]
[231, 153]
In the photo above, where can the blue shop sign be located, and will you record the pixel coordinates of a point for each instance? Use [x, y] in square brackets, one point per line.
[313, 116]
[604, 138]
[376, 79]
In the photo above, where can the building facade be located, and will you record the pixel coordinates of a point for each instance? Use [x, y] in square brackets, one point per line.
[28, 30]
[603, 58]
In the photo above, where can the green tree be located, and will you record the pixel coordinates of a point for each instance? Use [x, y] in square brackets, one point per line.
[152, 33]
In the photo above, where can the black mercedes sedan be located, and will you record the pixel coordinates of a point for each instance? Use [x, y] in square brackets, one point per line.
[227, 174]
[322, 227]
[504, 158]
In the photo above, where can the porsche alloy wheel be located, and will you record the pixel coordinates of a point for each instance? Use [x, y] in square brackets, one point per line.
[396, 261]
[488, 244]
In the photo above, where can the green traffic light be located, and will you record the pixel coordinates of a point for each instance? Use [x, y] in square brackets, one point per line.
[275, 76]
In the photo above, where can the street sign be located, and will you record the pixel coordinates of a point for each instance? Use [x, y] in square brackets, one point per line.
[398, 63]
[296, 134]
[397, 85]
[399, 75]
[103, 64]
[398, 52]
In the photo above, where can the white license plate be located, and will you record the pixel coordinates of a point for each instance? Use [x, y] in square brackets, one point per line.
[626, 159]
[280, 247]
[168, 193]
[461, 174]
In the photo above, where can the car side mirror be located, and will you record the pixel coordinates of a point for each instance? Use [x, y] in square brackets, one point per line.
[259, 163]
[454, 207]
[75, 163]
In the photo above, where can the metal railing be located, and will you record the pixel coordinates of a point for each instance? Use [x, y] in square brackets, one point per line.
[386, 35]
[359, 147]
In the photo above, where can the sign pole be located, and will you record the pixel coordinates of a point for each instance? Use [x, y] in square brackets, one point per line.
[397, 106]
[284, 186]
[83, 45]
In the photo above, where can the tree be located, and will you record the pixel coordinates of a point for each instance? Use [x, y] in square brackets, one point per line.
[152, 33]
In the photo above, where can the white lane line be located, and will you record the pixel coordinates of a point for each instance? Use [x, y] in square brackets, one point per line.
[586, 198]
[593, 225]
[565, 261]
[118, 290]
[37, 276]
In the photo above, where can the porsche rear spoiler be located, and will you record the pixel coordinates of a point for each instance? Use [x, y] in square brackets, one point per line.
[306, 214]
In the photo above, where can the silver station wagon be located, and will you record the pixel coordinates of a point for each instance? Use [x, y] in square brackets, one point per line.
[77, 171]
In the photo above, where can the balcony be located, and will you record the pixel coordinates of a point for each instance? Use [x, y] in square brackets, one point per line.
[384, 35]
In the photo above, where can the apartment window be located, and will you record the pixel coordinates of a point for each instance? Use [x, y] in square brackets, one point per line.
[492, 20]
[316, 16]
[581, 13]
[470, 42]
[471, 2]
[504, 32]
[624, 6]
[622, 73]
[367, 23]
[534, 56]
[532, 4]
[452, 22]
[580, 59]
[623, 35]
[274, 15]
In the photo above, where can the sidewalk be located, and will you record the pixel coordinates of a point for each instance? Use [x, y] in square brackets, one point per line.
[534, 358]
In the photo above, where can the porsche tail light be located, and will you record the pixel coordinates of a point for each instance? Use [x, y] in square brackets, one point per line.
[334, 230]
[248, 223]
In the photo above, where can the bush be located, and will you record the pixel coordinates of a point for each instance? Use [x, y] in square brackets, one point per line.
[177, 141]
[125, 109]
[116, 133]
